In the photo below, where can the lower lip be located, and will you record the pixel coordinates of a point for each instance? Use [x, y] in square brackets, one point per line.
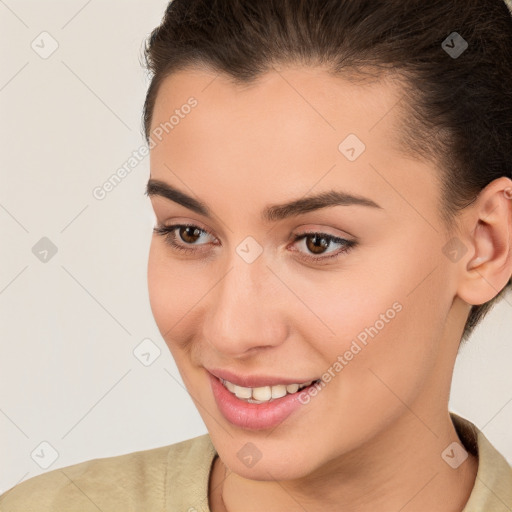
[253, 416]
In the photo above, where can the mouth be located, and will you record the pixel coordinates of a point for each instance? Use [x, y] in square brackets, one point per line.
[262, 406]
[265, 394]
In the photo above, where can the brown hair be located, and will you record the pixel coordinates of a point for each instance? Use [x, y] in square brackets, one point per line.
[458, 111]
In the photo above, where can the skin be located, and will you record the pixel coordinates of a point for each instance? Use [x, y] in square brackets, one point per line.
[372, 438]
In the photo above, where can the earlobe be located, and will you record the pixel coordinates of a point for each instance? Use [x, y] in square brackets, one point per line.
[489, 235]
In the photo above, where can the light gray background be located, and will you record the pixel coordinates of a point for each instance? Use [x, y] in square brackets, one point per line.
[68, 327]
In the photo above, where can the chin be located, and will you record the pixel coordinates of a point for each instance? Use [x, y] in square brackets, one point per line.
[273, 469]
[276, 459]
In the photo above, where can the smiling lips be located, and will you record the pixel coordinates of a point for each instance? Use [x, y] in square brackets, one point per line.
[258, 388]
[256, 381]
[263, 394]
[248, 413]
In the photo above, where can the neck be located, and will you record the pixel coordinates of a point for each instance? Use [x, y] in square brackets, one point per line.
[400, 469]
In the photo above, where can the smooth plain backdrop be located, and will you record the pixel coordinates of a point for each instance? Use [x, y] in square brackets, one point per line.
[76, 383]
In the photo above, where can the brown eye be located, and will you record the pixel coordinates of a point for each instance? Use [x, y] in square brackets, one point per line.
[184, 237]
[186, 240]
[317, 244]
[189, 234]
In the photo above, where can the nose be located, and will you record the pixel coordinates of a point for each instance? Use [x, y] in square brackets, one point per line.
[244, 314]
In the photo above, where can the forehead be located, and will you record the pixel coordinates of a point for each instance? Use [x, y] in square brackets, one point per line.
[290, 130]
[295, 93]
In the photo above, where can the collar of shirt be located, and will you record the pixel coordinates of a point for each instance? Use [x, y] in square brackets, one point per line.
[493, 484]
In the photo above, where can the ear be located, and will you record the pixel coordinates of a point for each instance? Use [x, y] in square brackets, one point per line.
[486, 231]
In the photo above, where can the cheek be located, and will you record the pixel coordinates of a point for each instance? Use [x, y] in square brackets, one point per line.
[383, 316]
[177, 294]
[157, 283]
[169, 289]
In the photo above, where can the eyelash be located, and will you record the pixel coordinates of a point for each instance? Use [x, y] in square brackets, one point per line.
[170, 238]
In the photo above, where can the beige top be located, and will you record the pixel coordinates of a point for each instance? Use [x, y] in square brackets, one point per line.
[175, 478]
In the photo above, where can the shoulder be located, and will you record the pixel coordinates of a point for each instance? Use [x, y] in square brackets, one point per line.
[131, 481]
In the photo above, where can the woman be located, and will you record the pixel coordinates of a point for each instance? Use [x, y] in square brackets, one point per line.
[332, 182]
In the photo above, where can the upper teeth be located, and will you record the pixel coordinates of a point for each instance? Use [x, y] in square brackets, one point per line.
[265, 393]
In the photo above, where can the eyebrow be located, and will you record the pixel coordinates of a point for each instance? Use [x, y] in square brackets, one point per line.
[271, 213]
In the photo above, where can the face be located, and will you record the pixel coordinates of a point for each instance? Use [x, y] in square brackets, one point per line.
[354, 293]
